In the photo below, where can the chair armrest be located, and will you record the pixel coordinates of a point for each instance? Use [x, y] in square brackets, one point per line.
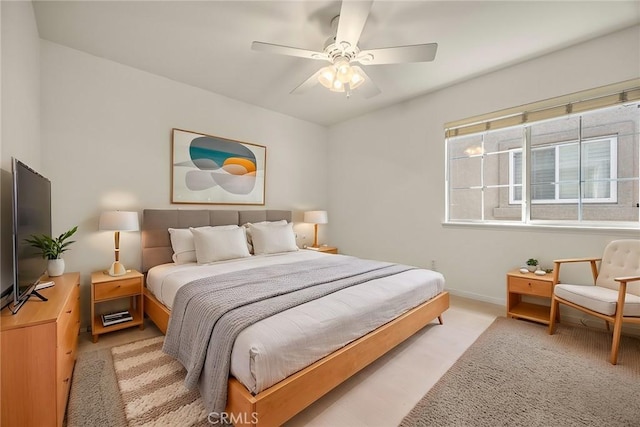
[560, 261]
[627, 279]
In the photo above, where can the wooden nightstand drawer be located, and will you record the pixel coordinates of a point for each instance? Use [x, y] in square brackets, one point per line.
[529, 285]
[532, 286]
[105, 289]
[117, 289]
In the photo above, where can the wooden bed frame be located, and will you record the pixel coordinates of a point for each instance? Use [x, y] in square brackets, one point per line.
[280, 402]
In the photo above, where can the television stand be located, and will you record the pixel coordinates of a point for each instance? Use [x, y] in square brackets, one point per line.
[14, 308]
[36, 293]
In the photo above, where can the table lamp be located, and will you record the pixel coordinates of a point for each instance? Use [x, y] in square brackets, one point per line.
[315, 218]
[118, 221]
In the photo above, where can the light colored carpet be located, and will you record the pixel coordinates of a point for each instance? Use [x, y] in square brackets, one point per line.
[515, 374]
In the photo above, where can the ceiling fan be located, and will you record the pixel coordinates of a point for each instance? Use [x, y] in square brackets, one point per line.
[342, 51]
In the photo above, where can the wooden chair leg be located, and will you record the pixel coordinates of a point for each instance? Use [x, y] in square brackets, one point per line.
[617, 331]
[617, 323]
[552, 317]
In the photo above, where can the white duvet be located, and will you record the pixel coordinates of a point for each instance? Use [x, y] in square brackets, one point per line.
[274, 348]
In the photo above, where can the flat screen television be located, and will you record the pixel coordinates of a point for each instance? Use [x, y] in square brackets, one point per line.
[31, 212]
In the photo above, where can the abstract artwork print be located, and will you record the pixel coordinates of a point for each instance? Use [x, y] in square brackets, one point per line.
[213, 170]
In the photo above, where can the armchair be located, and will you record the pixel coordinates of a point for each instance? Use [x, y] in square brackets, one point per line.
[615, 298]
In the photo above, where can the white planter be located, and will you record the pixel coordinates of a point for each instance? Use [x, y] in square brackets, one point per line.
[55, 267]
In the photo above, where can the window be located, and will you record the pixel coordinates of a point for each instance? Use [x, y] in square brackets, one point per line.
[555, 172]
[566, 168]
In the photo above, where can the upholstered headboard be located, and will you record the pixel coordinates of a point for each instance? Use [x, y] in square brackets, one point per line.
[156, 244]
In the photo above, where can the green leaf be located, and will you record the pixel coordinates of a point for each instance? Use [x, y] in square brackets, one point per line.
[51, 248]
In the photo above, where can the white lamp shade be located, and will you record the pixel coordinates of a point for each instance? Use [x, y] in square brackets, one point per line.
[316, 217]
[119, 221]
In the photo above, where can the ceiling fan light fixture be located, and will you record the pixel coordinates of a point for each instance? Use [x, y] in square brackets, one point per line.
[341, 50]
[327, 76]
[340, 75]
[337, 86]
[344, 71]
[357, 78]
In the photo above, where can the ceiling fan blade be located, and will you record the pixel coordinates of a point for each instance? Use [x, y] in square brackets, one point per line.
[308, 84]
[288, 50]
[400, 54]
[368, 88]
[353, 16]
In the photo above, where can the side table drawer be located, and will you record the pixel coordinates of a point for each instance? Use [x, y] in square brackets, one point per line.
[118, 289]
[540, 288]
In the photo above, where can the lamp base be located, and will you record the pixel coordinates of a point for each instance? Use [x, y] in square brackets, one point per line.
[117, 269]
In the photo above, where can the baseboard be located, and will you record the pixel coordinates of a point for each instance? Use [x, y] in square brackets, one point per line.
[477, 297]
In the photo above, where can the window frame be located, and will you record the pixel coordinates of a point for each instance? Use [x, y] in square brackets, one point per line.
[625, 93]
[613, 173]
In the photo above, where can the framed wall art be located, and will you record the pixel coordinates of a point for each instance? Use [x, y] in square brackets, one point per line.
[212, 170]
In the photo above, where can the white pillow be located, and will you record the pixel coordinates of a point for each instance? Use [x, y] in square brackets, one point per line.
[184, 250]
[273, 238]
[215, 244]
[248, 230]
[182, 244]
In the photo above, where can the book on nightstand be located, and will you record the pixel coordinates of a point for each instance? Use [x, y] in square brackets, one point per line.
[115, 318]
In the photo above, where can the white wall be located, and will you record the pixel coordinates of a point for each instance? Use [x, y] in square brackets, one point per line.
[106, 132]
[387, 170]
[20, 111]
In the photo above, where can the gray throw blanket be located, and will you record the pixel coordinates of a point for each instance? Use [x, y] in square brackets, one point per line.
[209, 313]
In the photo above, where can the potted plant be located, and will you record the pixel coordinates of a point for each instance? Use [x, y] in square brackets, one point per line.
[532, 264]
[52, 249]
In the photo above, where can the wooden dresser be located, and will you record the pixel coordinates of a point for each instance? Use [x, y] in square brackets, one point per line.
[38, 354]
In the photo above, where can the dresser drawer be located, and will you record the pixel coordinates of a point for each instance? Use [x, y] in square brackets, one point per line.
[68, 340]
[520, 285]
[117, 289]
[65, 370]
[70, 315]
[66, 360]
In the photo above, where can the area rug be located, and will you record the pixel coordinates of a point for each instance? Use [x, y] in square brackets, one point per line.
[132, 385]
[515, 374]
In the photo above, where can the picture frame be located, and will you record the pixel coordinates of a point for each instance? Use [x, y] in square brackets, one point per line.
[208, 169]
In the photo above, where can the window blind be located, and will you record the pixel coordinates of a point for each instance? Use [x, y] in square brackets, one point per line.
[605, 96]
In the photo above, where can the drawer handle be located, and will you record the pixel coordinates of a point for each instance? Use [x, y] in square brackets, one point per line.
[69, 352]
[66, 380]
[69, 312]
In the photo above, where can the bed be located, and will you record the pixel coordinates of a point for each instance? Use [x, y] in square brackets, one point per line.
[270, 385]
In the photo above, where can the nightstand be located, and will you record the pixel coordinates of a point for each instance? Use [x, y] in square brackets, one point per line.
[109, 288]
[325, 249]
[519, 284]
